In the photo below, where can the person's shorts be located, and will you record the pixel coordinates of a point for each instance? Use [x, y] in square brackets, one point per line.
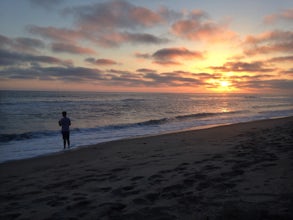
[65, 135]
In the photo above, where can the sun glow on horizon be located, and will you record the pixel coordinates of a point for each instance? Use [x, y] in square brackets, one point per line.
[221, 85]
[225, 84]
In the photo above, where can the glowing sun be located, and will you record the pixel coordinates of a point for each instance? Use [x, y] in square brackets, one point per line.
[221, 85]
[224, 84]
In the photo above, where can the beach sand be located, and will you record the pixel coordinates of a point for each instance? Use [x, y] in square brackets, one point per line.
[239, 171]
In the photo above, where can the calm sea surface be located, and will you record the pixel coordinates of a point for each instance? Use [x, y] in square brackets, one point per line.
[29, 120]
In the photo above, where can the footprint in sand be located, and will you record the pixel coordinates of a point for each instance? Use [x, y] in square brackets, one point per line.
[136, 178]
[125, 191]
[156, 179]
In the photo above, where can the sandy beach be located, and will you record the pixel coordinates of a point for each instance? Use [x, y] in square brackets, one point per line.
[239, 171]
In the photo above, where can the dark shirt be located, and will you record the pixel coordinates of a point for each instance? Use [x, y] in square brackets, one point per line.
[65, 123]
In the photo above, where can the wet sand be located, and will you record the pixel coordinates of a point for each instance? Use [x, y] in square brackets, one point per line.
[240, 171]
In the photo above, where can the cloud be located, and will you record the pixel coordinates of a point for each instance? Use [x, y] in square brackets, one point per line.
[198, 15]
[114, 39]
[105, 62]
[269, 42]
[169, 15]
[141, 77]
[285, 15]
[70, 48]
[275, 84]
[145, 70]
[282, 59]
[253, 67]
[261, 82]
[8, 58]
[56, 34]
[107, 24]
[171, 79]
[105, 38]
[169, 56]
[288, 72]
[142, 55]
[151, 78]
[144, 38]
[112, 77]
[166, 62]
[197, 27]
[66, 74]
[21, 44]
[76, 74]
[279, 84]
[114, 14]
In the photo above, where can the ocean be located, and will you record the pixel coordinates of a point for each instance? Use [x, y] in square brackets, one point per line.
[29, 119]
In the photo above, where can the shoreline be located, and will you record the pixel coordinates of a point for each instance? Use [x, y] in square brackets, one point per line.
[242, 170]
[80, 147]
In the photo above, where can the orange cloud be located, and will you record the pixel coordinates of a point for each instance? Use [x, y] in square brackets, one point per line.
[196, 29]
[288, 72]
[286, 15]
[269, 42]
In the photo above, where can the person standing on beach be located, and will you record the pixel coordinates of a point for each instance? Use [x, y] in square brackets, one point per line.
[65, 123]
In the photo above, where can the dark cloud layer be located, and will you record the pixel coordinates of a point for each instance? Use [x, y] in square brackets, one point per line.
[141, 77]
[71, 48]
[21, 44]
[173, 53]
[171, 56]
[8, 58]
[101, 62]
[252, 67]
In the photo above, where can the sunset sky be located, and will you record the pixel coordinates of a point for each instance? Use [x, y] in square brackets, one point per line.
[147, 45]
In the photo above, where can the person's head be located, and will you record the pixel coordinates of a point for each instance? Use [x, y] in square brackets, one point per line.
[64, 114]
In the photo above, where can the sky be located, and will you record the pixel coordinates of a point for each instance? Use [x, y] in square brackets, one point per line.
[188, 46]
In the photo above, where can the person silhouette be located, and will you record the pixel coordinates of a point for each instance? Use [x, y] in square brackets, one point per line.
[65, 123]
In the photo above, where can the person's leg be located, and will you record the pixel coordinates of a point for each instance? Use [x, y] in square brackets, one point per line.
[64, 139]
[67, 139]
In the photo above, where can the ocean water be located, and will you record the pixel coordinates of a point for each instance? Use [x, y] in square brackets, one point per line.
[29, 120]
